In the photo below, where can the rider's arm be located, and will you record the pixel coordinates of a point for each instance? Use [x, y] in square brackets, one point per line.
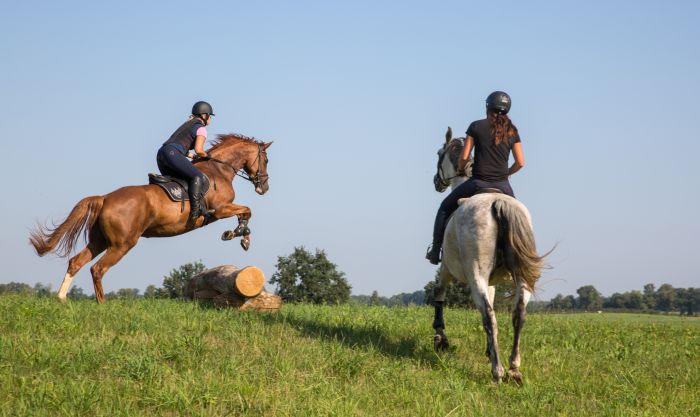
[199, 145]
[468, 145]
[519, 158]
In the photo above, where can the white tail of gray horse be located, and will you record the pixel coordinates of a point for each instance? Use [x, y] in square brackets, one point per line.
[517, 242]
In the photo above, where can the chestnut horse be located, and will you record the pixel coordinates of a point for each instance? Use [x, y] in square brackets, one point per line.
[113, 223]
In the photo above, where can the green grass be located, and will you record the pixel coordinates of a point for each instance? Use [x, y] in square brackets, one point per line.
[162, 357]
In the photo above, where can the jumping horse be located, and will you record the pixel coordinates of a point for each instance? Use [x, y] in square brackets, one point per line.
[488, 240]
[113, 223]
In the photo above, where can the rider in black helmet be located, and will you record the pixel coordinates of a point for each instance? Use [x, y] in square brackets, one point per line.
[492, 139]
[187, 142]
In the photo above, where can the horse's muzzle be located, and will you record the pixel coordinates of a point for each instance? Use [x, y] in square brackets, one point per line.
[440, 185]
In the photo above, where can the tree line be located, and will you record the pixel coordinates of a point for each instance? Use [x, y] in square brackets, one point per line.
[667, 299]
[308, 277]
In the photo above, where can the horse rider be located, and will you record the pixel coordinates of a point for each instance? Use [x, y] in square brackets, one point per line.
[492, 139]
[188, 142]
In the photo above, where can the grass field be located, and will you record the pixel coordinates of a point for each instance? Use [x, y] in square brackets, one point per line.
[163, 357]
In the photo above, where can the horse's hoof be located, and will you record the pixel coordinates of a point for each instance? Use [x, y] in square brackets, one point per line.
[440, 343]
[245, 243]
[227, 235]
[241, 231]
[516, 376]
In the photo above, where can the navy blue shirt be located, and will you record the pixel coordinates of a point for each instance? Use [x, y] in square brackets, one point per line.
[186, 134]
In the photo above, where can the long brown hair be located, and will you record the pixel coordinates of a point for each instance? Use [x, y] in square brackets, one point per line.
[502, 127]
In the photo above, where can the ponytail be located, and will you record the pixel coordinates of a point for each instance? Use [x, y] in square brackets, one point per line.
[502, 127]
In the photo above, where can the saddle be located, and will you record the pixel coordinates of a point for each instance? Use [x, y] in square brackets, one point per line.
[176, 188]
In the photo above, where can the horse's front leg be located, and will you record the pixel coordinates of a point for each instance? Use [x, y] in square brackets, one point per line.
[243, 213]
[440, 341]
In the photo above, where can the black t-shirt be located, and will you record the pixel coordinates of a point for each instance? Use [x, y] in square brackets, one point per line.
[490, 160]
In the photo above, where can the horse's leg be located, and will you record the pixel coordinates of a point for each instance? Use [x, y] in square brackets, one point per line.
[492, 297]
[440, 341]
[243, 213]
[522, 296]
[229, 210]
[96, 245]
[480, 294]
[113, 255]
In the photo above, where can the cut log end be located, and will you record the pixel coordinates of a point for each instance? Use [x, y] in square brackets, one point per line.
[250, 281]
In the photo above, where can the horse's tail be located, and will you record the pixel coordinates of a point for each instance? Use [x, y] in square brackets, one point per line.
[61, 239]
[517, 241]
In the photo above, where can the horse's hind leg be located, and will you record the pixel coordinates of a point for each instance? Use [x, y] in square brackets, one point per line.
[96, 244]
[440, 342]
[522, 296]
[113, 255]
[480, 294]
[492, 297]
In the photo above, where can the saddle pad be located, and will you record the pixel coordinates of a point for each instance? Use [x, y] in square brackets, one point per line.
[175, 188]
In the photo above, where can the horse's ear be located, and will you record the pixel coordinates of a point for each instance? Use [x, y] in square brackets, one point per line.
[267, 144]
[448, 135]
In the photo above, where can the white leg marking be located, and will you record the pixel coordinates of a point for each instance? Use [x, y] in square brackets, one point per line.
[63, 291]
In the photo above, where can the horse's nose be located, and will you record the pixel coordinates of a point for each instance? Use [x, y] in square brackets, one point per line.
[262, 189]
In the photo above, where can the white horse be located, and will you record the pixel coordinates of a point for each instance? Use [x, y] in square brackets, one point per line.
[488, 240]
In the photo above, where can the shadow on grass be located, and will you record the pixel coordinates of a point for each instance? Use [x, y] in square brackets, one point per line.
[355, 337]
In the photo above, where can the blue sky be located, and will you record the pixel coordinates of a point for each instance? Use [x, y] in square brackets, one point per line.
[357, 97]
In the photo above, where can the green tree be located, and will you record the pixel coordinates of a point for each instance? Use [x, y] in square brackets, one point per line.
[77, 293]
[127, 293]
[616, 300]
[15, 288]
[374, 299]
[154, 292]
[634, 300]
[174, 283]
[41, 290]
[562, 303]
[650, 296]
[457, 294]
[666, 298]
[305, 277]
[589, 298]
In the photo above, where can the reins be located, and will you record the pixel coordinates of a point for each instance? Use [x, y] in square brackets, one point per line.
[257, 180]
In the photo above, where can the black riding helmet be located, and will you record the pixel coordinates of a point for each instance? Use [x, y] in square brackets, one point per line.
[202, 107]
[498, 102]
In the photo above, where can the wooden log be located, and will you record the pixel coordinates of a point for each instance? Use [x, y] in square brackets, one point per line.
[247, 282]
[265, 301]
[228, 286]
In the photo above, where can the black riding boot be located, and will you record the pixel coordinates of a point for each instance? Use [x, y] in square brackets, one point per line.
[195, 192]
[435, 249]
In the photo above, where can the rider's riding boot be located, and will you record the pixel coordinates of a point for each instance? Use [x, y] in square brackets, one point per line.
[195, 192]
[433, 254]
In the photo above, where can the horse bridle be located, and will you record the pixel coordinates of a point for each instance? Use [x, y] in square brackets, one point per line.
[439, 179]
[258, 180]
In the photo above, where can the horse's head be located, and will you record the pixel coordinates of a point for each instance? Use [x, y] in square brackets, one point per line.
[244, 154]
[256, 167]
[448, 157]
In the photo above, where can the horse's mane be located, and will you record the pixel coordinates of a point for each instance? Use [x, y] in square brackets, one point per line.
[229, 139]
